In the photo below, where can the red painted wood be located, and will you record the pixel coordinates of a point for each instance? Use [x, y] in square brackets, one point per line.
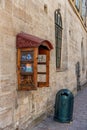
[29, 41]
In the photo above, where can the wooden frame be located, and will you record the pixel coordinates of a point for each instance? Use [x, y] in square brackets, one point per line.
[28, 49]
[33, 74]
[47, 53]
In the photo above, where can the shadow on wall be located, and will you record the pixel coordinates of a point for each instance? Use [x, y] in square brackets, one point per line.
[77, 66]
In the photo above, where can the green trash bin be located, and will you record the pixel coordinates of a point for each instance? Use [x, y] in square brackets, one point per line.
[64, 106]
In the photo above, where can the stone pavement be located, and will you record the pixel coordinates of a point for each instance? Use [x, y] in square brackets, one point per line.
[79, 116]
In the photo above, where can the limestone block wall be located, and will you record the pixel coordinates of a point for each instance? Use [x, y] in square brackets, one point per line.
[19, 108]
[76, 37]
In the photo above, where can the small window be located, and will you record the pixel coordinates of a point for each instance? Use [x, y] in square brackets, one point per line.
[77, 3]
[83, 13]
[58, 37]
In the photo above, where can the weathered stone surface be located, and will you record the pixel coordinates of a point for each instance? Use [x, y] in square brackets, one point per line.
[8, 6]
[30, 17]
[5, 118]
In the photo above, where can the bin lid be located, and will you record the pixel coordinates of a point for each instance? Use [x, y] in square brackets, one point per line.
[65, 92]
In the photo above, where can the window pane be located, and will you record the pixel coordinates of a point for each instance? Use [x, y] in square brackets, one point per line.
[60, 24]
[56, 31]
[26, 55]
[59, 32]
[58, 53]
[41, 68]
[26, 81]
[56, 17]
[41, 58]
[27, 67]
[41, 77]
[77, 3]
[59, 43]
[58, 63]
[83, 8]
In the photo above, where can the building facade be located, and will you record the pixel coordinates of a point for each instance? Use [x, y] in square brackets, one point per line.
[63, 24]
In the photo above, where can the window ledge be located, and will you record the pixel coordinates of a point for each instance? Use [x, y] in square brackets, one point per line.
[77, 13]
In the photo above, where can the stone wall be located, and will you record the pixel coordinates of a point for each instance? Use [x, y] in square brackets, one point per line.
[77, 36]
[20, 108]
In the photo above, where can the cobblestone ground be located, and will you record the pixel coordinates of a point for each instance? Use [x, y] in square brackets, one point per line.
[79, 116]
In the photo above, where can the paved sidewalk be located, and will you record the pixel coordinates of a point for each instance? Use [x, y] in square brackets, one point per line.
[79, 116]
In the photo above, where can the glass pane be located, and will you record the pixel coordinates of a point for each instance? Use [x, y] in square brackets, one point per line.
[59, 43]
[56, 31]
[41, 77]
[41, 58]
[58, 63]
[83, 11]
[58, 19]
[28, 67]
[60, 24]
[77, 4]
[59, 32]
[26, 55]
[41, 68]
[26, 81]
[58, 53]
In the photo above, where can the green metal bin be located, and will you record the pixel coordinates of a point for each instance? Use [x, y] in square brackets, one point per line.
[64, 106]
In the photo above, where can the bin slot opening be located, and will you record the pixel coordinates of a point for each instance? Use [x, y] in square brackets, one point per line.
[64, 94]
